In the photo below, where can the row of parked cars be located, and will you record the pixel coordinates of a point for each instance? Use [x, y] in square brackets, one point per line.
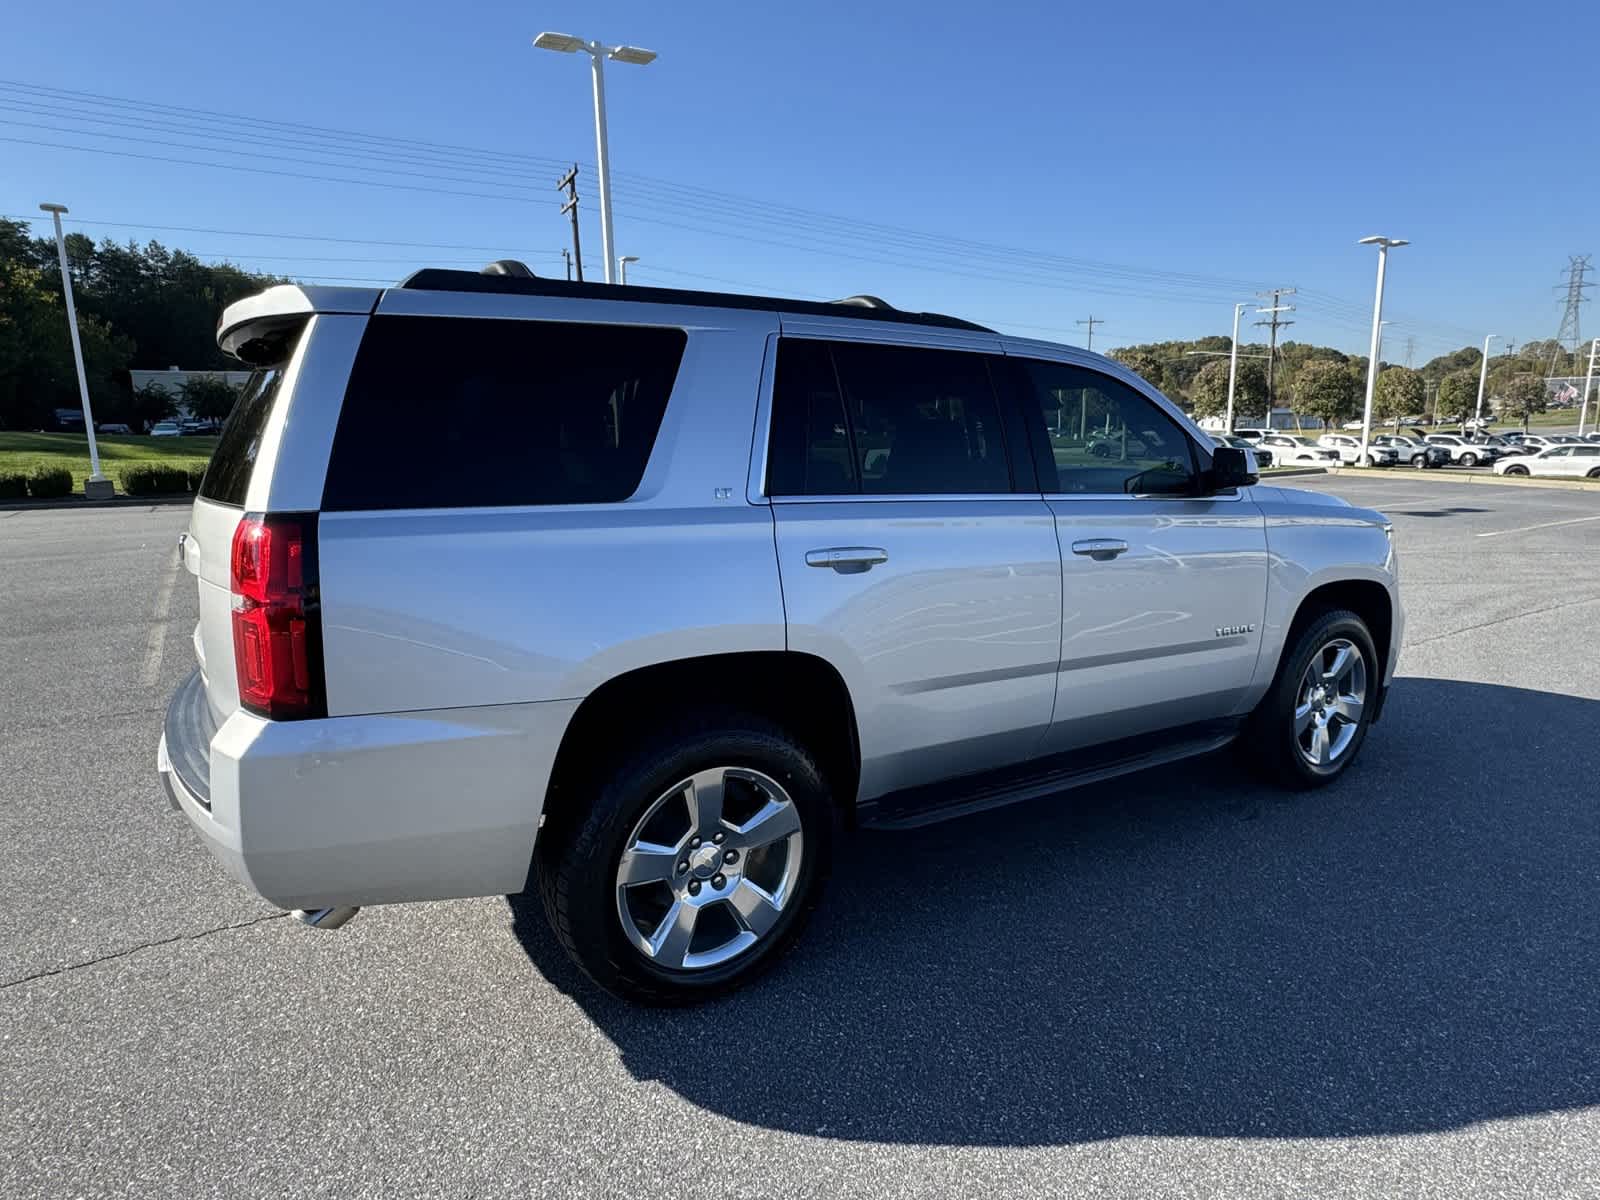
[1513, 453]
[184, 428]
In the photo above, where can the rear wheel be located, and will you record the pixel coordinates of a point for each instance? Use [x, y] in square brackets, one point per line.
[1469, 460]
[1594, 473]
[696, 863]
[1309, 727]
[1419, 461]
[1517, 470]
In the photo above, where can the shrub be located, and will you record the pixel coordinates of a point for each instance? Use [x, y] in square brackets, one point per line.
[13, 485]
[47, 482]
[150, 479]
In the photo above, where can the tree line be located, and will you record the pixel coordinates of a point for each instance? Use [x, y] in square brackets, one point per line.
[139, 307]
[1328, 386]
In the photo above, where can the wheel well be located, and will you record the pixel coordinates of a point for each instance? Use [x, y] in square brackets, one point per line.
[1364, 597]
[801, 692]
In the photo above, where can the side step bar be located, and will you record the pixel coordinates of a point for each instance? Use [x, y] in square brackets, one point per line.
[928, 805]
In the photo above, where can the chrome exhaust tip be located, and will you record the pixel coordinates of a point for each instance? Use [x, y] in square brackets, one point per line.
[326, 918]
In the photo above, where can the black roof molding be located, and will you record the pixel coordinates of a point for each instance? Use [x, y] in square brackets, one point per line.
[439, 279]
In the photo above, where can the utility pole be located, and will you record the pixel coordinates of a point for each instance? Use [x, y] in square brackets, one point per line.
[567, 255]
[1588, 383]
[1091, 321]
[97, 486]
[1276, 295]
[1577, 267]
[569, 184]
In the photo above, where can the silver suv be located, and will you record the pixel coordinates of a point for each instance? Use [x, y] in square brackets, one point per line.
[639, 597]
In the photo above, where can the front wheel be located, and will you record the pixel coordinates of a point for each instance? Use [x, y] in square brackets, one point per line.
[1309, 727]
[1419, 461]
[696, 864]
[1469, 460]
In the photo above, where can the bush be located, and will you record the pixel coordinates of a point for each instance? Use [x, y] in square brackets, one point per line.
[49, 482]
[150, 479]
[13, 485]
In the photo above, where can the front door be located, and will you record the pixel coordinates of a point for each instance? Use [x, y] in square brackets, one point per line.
[908, 559]
[1164, 591]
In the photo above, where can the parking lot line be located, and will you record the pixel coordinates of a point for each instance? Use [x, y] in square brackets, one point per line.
[1541, 525]
[151, 675]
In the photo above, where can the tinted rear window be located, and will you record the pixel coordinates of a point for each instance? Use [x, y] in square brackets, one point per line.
[227, 477]
[448, 412]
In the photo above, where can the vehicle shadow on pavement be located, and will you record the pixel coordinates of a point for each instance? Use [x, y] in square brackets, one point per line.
[1184, 953]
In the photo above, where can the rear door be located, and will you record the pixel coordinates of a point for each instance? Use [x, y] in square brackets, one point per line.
[1164, 591]
[1582, 460]
[916, 553]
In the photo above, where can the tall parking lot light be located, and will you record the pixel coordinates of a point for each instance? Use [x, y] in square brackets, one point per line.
[97, 486]
[565, 43]
[1383, 244]
[1483, 378]
[1233, 368]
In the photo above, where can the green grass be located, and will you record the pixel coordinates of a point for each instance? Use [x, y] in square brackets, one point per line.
[118, 452]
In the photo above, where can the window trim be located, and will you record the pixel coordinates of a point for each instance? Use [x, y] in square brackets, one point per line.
[766, 401]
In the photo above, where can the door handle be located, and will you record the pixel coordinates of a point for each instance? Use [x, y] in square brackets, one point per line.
[847, 560]
[1100, 549]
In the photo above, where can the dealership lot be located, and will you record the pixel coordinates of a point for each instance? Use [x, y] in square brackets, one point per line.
[1180, 983]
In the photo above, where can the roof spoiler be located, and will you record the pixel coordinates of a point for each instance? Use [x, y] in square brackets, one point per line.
[252, 329]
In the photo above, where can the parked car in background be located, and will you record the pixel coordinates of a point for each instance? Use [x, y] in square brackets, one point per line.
[165, 429]
[1464, 452]
[1349, 450]
[421, 676]
[198, 428]
[1414, 450]
[111, 427]
[1543, 441]
[1591, 437]
[1291, 449]
[1570, 462]
[1262, 458]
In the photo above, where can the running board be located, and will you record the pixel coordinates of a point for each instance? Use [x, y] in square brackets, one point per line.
[943, 801]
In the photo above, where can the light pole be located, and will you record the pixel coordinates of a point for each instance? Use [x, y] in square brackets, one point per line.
[1588, 382]
[1233, 368]
[1483, 377]
[565, 43]
[97, 486]
[1383, 244]
[622, 267]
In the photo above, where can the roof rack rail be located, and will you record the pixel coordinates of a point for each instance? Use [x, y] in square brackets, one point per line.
[508, 281]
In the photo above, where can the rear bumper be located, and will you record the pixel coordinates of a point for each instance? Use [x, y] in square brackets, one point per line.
[366, 810]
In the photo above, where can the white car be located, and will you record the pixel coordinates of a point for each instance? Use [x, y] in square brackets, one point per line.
[1570, 462]
[1290, 449]
[1349, 449]
[166, 429]
[1463, 451]
[1414, 450]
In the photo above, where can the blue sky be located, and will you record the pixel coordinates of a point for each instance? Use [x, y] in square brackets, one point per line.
[1024, 165]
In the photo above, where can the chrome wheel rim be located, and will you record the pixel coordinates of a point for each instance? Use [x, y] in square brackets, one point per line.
[1329, 704]
[709, 868]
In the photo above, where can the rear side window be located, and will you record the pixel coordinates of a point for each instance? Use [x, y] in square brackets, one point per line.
[227, 476]
[458, 412]
[850, 418]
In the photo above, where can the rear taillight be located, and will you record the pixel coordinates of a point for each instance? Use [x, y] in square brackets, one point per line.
[277, 628]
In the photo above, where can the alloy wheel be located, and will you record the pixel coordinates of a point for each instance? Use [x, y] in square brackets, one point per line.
[709, 868]
[1329, 703]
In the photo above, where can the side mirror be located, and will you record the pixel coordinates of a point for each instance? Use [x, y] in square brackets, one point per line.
[1230, 468]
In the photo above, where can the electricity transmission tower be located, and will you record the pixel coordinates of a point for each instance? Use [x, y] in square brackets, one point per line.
[1568, 335]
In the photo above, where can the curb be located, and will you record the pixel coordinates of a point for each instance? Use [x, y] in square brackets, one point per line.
[1447, 476]
[80, 502]
[1291, 472]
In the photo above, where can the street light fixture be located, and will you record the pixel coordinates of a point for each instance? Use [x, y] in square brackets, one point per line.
[1483, 377]
[565, 43]
[622, 267]
[97, 486]
[1384, 244]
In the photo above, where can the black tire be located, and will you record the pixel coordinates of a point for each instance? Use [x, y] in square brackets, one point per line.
[1469, 460]
[1419, 461]
[1516, 470]
[1594, 473]
[1269, 741]
[577, 865]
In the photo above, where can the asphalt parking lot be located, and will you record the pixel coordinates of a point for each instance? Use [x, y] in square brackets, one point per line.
[1180, 983]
